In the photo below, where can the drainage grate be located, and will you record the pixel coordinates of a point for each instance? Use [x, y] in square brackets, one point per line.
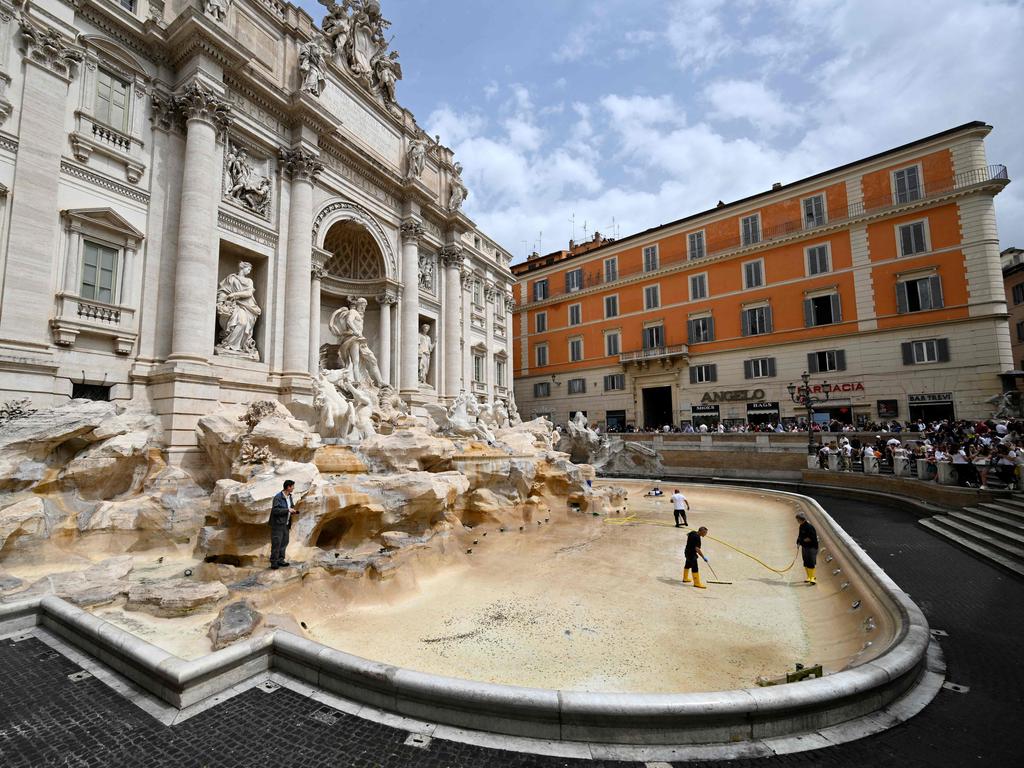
[955, 687]
[76, 676]
[418, 740]
[268, 686]
[325, 715]
[19, 638]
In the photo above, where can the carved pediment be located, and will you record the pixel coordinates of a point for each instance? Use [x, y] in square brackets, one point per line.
[103, 218]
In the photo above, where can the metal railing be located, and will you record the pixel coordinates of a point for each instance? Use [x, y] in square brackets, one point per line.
[654, 353]
[594, 277]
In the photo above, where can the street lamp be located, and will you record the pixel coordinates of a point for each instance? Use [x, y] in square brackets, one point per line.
[801, 395]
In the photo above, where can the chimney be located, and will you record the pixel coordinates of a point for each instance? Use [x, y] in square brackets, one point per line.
[777, 185]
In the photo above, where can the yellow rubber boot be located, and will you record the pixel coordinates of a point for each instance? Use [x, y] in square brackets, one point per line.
[810, 576]
[686, 575]
[697, 581]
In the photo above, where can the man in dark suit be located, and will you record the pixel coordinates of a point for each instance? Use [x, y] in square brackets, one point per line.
[281, 513]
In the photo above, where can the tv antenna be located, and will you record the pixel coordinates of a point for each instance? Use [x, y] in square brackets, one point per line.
[586, 232]
[614, 229]
[572, 220]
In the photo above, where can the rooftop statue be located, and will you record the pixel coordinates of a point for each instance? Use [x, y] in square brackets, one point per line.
[311, 65]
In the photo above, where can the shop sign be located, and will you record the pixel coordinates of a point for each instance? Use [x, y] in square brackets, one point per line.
[888, 409]
[762, 407]
[695, 409]
[733, 396]
[847, 386]
[930, 397]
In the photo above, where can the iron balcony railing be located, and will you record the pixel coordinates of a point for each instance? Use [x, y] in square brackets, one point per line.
[654, 353]
[595, 277]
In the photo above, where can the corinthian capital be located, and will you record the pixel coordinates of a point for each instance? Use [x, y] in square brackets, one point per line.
[165, 114]
[197, 102]
[452, 256]
[47, 47]
[300, 164]
[387, 298]
[412, 231]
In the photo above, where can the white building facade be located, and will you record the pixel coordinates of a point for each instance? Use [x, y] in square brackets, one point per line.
[154, 154]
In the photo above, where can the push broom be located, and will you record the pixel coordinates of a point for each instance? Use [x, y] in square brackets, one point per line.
[715, 575]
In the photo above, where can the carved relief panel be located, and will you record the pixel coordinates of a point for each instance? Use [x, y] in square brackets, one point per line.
[247, 179]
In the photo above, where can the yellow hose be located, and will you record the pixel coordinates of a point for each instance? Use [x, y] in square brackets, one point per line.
[632, 519]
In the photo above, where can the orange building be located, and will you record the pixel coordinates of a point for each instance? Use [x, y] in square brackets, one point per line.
[881, 276]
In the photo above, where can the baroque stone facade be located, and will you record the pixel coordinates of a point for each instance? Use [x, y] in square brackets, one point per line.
[122, 245]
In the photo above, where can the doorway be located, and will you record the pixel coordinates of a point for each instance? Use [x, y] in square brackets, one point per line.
[657, 407]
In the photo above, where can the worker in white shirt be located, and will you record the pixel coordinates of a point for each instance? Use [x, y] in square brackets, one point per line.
[680, 506]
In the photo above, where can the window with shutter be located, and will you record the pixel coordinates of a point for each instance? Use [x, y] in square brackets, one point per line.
[753, 274]
[652, 297]
[907, 349]
[913, 238]
[919, 295]
[541, 320]
[611, 269]
[907, 185]
[540, 290]
[817, 260]
[611, 344]
[650, 258]
[695, 245]
[822, 310]
[750, 229]
[814, 211]
[575, 314]
[611, 306]
[748, 369]
[99, 272]
[698, 287]
[111, 106]
[577, 386]
[573, 280]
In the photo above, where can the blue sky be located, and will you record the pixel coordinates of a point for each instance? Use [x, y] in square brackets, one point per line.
[639, 112]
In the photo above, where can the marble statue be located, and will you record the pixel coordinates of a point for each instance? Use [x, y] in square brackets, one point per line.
[392, 406]
[427, 272]
[459, 192]
[387, 72]
[582, 442]
[462, 420]
[237, 312]
[514, 419]
[416, 157]
[354, 351]
[311, 65]
[362, 409]
[247, 186]
[426, 348]
[336, 413]
[501, 419]
[337, 24]
[217, 9]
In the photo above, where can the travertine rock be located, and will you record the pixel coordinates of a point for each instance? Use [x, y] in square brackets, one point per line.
[408, 450]
[99, 584]
[236, 621]
[109, 468]
[26, 445]
[249, 503]
[286, 438]
[22, 522]
[220, 435]
[176, 597]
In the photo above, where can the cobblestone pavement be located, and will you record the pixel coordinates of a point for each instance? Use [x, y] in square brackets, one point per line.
[48, 720]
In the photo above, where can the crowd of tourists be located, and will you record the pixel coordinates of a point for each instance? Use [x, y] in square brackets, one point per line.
[980, 452]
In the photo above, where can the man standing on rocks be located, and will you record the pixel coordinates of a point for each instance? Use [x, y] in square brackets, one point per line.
[281, 513]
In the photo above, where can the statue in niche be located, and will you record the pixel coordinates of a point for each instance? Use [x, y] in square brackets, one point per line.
[416, 157]
[311, 65]
[459, 192]
[354, 352]
[426, 347]
[237, 313]
[387, 72]
[427, 272]
[246, 185]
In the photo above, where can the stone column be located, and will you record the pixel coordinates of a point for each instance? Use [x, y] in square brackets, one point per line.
[301, 166]
[452, 258]
[386, 300]
[28, 284]
[466, 324]
[409, 382]
[195, 273]
[317, 274]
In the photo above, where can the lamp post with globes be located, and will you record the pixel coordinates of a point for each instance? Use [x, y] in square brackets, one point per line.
[801, 395]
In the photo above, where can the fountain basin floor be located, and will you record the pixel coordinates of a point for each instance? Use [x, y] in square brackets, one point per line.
[594, 604]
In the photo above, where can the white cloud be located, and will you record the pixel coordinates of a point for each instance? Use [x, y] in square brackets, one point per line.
[576, 44]
[698, 35]
[751, 101]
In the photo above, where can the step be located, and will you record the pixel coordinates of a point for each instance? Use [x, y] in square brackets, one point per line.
[1013, 524]
[976, 548]
[1016, 501]
[1000, 508]
[1001, 532]
[1013, 551]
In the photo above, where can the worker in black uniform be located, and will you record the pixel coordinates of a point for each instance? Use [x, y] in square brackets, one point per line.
[691, 553]
[807, 540]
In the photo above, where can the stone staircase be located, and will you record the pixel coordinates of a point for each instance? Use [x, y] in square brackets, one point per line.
[993, 530]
